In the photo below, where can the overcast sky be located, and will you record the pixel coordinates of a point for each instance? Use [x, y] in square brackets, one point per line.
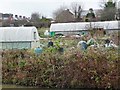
[45, 7]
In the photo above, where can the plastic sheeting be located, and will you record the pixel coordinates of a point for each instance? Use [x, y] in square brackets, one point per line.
[78, 26]
[15, 34]
[16, 45]
[18, 37]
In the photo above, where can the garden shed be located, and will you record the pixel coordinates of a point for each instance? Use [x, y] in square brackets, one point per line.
[18, 37]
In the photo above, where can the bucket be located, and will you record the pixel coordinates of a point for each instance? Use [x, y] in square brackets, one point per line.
[52, 34]
[84, 46]
[38, 50]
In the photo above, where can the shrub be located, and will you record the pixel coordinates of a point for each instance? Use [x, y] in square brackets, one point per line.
[72, 69]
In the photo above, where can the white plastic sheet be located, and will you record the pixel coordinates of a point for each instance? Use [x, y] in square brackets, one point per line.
[77, 26]
[16, 34]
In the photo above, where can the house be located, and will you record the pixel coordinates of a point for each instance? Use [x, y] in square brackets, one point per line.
[7, 19]
[6, 16]
[18, 37]
[65, 16]
[0, 19]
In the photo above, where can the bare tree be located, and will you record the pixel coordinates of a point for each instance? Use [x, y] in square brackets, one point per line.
[77, 9]
[102, 4]
[35, 16]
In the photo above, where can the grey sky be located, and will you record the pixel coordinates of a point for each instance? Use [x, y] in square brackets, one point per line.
[45, 7]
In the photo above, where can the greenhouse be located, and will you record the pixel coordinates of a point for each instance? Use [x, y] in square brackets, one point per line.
[78, 27]
[18, 37]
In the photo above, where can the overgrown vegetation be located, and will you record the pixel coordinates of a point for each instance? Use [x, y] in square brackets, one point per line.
[72, 69]
[41, 32]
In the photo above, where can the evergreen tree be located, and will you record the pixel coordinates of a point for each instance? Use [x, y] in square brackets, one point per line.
[109, 11]
[110, 4]
[90, 15]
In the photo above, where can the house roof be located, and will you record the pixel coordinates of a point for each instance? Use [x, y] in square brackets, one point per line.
[67, 11]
